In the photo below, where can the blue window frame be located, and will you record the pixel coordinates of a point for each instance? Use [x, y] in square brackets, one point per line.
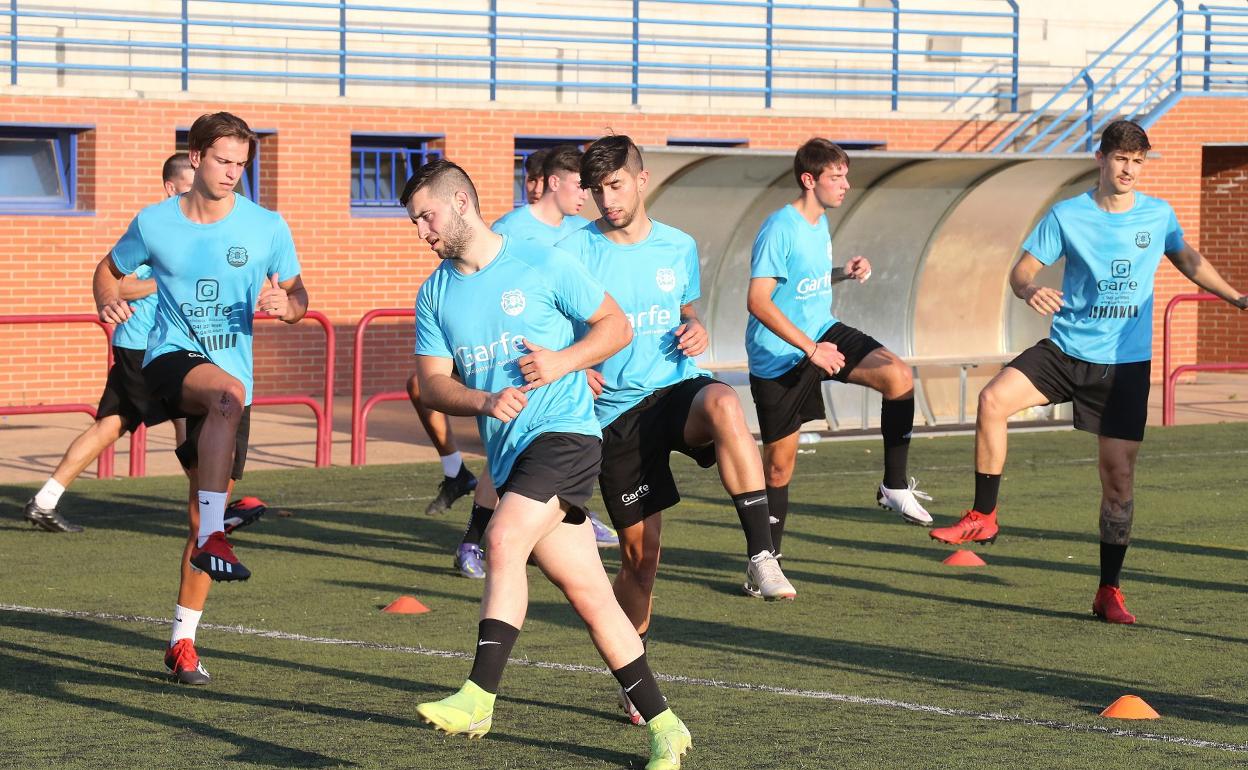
[39, 169]
[381, 165]
[526, 146]
[249, 185]
[695, 142]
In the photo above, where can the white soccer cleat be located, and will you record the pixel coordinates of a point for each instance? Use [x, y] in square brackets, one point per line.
[905, 502]
[765, 580]
[630, 710]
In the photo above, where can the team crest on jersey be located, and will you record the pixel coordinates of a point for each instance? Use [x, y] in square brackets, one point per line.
[1142, 240]
[236, 256]
[513, 302]
[665, 278]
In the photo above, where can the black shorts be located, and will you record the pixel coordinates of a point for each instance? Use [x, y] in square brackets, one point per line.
[636, 478]
[126, 393]
[164, 376]
[562, 465]
[795, 397]
[1111, 400]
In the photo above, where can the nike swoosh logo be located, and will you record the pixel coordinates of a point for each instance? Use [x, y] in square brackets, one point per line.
[631, 686]
[203, 502]
[755, 501]
[486, 721]
[485, 641]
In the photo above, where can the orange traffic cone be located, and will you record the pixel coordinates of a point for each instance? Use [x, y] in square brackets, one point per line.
[405, 605]
[1130, 707]
[964, 558]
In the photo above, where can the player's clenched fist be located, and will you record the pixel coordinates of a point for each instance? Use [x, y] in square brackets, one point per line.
[540, 366]
[505, 404]
[115, 312]
[827, 357]
[273, 299]
[1044, 300]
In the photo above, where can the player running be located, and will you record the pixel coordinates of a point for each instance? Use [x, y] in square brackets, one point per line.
[217, 258]
[1098, 353]
[794, 343]
[521, 376]
[125, 402]
[652, 399]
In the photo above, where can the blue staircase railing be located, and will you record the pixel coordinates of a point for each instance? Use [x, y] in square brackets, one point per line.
[1171, 52]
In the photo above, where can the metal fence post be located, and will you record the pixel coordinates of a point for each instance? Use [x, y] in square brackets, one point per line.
[186, 45]
[636, 48]
[1087, 79]
[13, 43]
[493, 49]
[342, 47]
[767, 75]
[896, 52]
[1208, 44]
[1178, 44]
[1014, 60]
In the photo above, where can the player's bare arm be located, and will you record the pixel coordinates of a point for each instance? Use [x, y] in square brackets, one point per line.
[134, 288]
[609, 332]
[758, 301]
[1201, 272]
[440, 390]
[1042, 299]
[106, 286]
[692, 335]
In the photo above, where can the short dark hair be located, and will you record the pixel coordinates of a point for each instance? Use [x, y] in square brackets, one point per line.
[1124, 135]
[444, 177]
[207, 129]
[608, 155]
[534, 162]
[815, 156]
[175, 164]
[561, 159]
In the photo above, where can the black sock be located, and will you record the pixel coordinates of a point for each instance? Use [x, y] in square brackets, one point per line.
[477, 520]
[778, 509]
[896, 423]
[494, 641]
[752, 510]
[641, 688]
[1112, 557]
[986, 487]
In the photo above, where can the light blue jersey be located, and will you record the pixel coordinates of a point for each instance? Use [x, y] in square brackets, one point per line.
[481, 322]
[522, 225]
[1107, 303]
[208, 277]
[650, 280]
[799, 256]
[133, 334]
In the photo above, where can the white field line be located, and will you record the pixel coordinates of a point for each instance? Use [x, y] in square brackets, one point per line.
[683, 680]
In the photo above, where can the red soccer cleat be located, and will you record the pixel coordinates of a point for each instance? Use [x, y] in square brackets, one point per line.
[242, 512]
[973, 527]
[183, 663]
[216, 557]
[1110, 606]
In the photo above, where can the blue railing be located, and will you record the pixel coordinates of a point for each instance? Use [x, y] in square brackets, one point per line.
[1171, 52]
[767, 49]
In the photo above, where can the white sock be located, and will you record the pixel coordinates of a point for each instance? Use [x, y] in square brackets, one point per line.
[50, 495]
[184, 623]
[211, 514]
[451, 464]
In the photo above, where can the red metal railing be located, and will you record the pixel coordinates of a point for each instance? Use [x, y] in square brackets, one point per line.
[1171, 378]
[104, 465]
[359, 413]
[324, 411]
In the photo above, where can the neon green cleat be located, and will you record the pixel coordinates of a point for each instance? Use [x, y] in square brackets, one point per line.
[669, 740]
[468, 712]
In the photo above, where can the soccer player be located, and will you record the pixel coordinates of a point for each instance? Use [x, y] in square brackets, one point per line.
[794, 343]
[520, 366]
[125, 402]
[533, 183]
[217, 258]
[556, 214]
[652, 398]
[1098, 352]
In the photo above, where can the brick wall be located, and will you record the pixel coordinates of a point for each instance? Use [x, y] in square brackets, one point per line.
[352, 265]
[1224, 241]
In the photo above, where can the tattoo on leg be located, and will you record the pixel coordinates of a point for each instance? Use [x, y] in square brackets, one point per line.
[1116, 521]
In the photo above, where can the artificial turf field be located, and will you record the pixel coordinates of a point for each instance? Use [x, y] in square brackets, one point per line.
[888, 658]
